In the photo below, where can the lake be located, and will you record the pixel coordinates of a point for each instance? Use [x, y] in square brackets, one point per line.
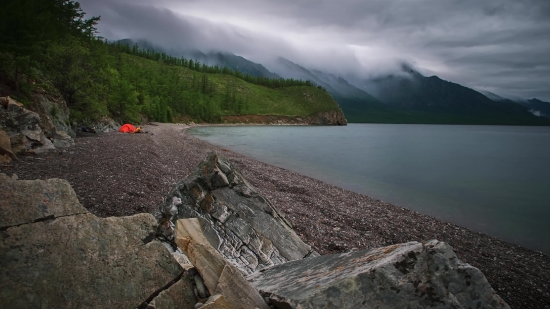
[491, 179]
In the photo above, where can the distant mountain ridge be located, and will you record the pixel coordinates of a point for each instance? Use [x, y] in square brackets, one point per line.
[414, 92]
[357, 105]
[537, 107]
[231, 61]
[404, 97]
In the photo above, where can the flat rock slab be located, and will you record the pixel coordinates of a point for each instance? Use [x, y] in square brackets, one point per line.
[57, 255]
[26, 201]
[411, 275]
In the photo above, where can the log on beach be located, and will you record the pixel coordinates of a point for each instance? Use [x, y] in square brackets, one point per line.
[116, 174]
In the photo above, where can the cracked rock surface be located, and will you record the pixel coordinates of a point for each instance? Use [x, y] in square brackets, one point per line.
[220, 277]
[57, 255]
[243, 226]
[410, 275]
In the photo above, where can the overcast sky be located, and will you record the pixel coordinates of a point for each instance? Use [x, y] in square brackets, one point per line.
[502, 46]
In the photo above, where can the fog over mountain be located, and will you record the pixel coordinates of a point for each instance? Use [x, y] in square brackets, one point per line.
[499, 46]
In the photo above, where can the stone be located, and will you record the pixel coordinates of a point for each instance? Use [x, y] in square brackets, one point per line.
[179, 295]
[47, 146]
[19, 122]
[5, 147]
[18, 142]
[200, 287]
[55, 254]
[42, 129]
[250, 233]
[410, 275]
[217, 302]
[62, 140]
[219, 276]
[27, 201]
[106, 124]
[53, 112]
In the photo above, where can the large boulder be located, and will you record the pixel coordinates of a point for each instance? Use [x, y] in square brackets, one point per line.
[410, 275]
[53, 112]
[21, 124]
[29, 130]
[246, 229]
[57, 255]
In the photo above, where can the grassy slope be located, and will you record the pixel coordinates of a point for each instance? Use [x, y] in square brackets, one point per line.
[259, 100]
[287, 101]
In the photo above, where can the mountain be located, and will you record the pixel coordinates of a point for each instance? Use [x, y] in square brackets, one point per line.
[231, 61]
[357, 105]
[492, 96]
[404, 97]
[537, 107]
[212, 58]
[441, 101]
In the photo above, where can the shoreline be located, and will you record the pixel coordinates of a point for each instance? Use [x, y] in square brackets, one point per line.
[117, 174]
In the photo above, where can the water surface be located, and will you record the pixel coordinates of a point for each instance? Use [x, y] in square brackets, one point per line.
[492, 179]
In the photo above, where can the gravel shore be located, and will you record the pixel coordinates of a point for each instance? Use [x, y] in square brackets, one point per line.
[116, 174]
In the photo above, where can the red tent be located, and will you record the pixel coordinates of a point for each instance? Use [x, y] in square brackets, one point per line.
[127, 128]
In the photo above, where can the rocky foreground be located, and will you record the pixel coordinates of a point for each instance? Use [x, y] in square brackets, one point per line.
[216, 243]
[121, 174]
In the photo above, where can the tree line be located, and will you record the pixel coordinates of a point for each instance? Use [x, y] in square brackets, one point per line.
[204, 68]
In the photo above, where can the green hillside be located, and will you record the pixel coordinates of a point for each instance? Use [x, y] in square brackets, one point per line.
[207, 96]
[50, 47]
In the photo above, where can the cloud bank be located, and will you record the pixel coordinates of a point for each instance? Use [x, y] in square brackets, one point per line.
[502, 46]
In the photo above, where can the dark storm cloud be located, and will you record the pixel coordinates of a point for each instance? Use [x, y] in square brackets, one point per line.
[497, 45]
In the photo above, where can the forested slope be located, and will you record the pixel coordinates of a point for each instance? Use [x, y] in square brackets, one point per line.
[49, 46]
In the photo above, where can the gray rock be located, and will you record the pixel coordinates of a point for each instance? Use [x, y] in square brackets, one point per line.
[18, 141]
[106, 124]
[62, 140]
[179, 295]
[54, 114]
[24, 127]
[26, 201]
[410, 275]
[48, 146]
[217, 302]
[200, 287]
[247, 230]
[57, 255]
[218, 275]
[198, 305]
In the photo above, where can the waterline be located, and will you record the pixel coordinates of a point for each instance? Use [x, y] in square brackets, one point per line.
[492, 179]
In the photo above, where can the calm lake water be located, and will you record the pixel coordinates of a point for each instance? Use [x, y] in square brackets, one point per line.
[491, 179]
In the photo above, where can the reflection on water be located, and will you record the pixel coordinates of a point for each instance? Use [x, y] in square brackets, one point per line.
[492, 179]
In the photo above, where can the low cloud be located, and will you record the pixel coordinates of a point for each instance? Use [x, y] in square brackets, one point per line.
[496, 45]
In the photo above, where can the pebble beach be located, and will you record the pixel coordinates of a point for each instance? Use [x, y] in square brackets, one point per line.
[117, 174]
